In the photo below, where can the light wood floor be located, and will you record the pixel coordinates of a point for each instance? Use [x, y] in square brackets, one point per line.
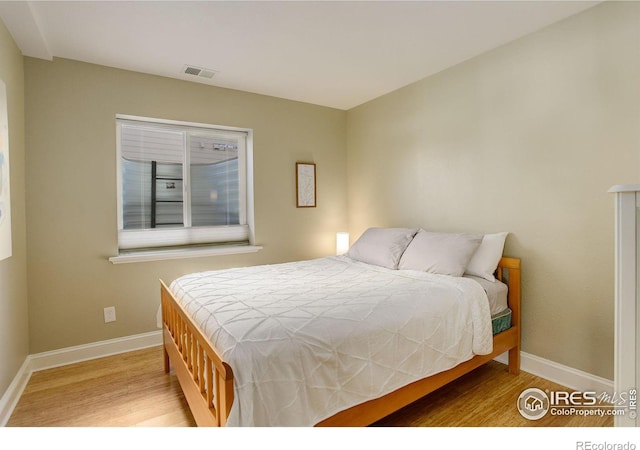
[132, 389]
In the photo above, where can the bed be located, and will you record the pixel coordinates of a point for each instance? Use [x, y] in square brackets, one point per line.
[336, 341]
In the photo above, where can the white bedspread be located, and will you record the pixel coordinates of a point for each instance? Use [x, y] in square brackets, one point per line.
[308, 339]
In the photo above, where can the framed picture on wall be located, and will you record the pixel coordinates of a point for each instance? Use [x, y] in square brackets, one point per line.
[5, 195]
[305, 185]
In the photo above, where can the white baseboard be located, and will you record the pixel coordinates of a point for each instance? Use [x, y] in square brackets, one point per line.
[66, 356]
[564, 375]
[79, 353]
[10, 398]
[543, 368]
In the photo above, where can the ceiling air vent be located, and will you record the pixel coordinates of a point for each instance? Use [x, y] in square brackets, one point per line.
[198, 71]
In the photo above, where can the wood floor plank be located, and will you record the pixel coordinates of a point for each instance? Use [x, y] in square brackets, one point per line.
[132, 390]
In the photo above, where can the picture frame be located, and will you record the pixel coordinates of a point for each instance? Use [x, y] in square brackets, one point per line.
[5, 194]
[305, 185]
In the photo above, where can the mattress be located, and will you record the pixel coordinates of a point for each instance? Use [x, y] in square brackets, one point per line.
[308, 339]
[496, 293]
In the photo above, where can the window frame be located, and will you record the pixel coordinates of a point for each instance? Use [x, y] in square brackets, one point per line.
[187, 241]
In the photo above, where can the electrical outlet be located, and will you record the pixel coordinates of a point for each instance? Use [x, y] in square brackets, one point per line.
[110, 314]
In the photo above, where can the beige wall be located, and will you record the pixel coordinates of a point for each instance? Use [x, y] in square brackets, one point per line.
[71, 191]
[527, 139]
[14, 332]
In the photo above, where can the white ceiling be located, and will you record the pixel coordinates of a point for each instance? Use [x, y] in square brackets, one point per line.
[332, 53]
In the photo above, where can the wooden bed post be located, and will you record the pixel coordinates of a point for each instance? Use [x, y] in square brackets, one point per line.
[225, 391]
[512, 267]
[165, 314]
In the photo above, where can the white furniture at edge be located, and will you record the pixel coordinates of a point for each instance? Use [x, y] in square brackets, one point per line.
[627, 287]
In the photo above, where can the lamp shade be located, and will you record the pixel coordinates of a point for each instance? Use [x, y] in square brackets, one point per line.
[342, 242]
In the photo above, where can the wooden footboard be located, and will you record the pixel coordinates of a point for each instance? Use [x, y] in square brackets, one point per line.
[207, 381]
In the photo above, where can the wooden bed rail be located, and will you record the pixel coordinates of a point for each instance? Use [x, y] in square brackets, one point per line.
[206, 380]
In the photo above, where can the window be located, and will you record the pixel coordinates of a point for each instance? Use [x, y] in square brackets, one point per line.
[182, 184]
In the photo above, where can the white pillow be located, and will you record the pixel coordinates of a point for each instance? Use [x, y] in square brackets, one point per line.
[441, 253]
[382, 246]
[485, 260]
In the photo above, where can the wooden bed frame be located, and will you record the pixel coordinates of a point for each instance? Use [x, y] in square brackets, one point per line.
[207, 381]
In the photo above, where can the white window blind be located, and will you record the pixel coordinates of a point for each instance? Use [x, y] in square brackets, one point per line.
[180, 184]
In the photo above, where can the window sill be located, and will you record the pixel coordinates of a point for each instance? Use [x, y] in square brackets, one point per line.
[161, 255]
